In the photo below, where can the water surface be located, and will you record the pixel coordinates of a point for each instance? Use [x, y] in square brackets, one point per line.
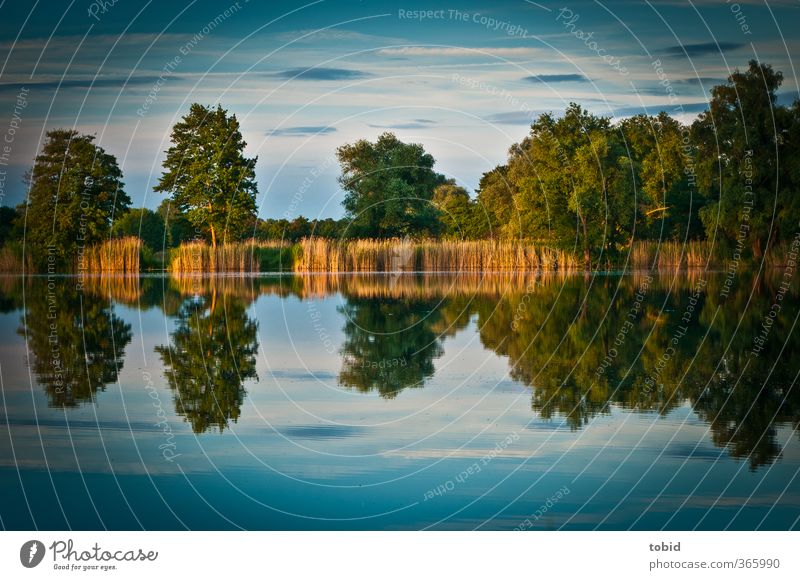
[640, 401]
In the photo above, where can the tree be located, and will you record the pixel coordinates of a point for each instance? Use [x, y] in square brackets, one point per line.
[559, 194]
[8, 223]
[178, 228]
[75, 191]
[389, 345]
[739, 139]
[389, 186]
[667, 202]
[143, 223]
[495, 215]
[210, 179]
[457, 211]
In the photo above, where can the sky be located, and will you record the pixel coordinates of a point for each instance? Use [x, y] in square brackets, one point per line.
[463, 78]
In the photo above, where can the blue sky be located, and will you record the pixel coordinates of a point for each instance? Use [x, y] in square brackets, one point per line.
[462, 78]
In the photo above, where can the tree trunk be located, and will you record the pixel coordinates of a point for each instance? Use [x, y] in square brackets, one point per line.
[213, 261]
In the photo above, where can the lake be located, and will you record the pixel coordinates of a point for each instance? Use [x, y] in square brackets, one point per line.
[641, 401]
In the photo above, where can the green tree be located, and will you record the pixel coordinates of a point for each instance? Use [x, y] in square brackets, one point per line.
[559, 177]
[8, 224]
[143, 223]
[389, 187]
[495, 214]
[738, 141]
[457, 211]
[75, 192]
[210, 179]
[668, 203]
[178, 228]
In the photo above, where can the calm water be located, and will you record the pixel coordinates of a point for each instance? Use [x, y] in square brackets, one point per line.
[400, 402]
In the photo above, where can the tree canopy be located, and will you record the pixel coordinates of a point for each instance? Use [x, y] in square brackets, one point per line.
[75, 192]
[388, 188]
[211, 181]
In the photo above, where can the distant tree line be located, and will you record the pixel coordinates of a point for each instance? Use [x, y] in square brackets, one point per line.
[578, 181]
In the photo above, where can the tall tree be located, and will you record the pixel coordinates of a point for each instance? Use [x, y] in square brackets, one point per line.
[559, 193]
[210, 179]
[75, 191]
[389, 187]
[738, 142]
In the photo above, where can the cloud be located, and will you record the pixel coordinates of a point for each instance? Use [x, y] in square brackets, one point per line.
[671, 108]
[84, 83]
[453, 51]
[690, 86]
[704, 81]
[702, 48]
[303, 131]
[415, 124]
[567, 78]
[322, 74]
[512, 118]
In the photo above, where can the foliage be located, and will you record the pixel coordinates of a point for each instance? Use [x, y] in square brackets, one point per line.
[143, 223]
[388, 188]
[75, 193]
[177, 227]
[210, 179]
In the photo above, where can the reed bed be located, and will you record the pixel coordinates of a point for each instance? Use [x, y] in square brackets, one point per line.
[115, 255]
[248, 256]
[10, 261]
[645, 255]
[396, 255]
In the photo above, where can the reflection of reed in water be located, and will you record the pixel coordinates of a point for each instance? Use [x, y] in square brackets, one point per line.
[125, 289]
[246, 288]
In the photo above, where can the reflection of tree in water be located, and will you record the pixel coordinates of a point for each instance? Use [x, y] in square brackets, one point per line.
[212, 352]
[76, 342]
[557, 347]
[390, 344]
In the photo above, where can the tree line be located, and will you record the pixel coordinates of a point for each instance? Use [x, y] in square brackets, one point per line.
[577, 181]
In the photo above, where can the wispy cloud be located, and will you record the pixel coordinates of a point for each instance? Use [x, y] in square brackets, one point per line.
[657, 108]
[82, 83]
[566, 78]
[512, 118]
[322, 74]
[415, 124]
[702, 48]
[454, 51]
[303, 131]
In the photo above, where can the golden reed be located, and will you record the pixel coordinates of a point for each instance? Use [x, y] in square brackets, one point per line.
[396, 255]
